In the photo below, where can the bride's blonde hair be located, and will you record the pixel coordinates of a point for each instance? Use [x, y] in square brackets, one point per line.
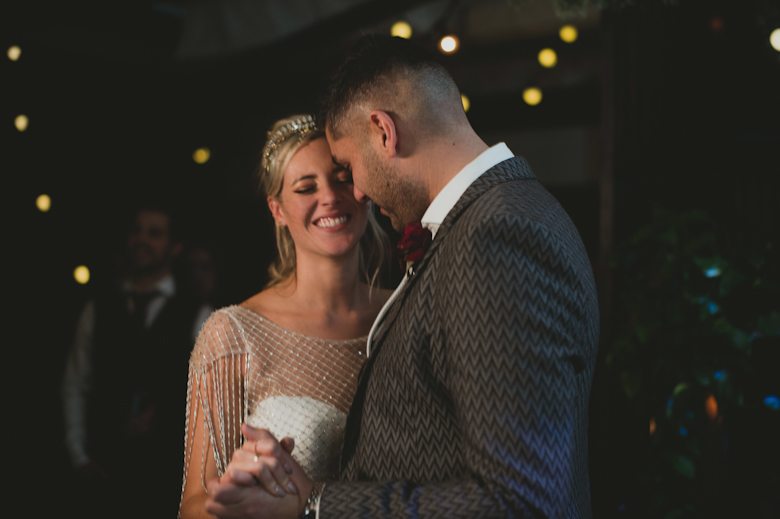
[285, 138]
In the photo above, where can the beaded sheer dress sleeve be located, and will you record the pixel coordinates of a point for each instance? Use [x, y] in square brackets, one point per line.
[245, 368]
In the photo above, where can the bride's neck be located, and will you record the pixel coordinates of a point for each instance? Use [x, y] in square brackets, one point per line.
[328, 285]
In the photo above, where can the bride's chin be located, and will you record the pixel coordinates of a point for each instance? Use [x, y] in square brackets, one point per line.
[344, 250]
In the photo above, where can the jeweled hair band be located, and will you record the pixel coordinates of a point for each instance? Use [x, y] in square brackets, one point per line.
[297, 127]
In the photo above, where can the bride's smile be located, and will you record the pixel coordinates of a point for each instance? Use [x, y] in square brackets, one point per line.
[317, 203]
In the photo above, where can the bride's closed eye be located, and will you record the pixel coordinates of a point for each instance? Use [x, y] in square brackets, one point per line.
[304, 189]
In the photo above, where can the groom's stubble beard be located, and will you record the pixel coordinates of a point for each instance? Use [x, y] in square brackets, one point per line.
[404, 198]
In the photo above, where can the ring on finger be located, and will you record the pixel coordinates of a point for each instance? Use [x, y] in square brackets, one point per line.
[257, 455]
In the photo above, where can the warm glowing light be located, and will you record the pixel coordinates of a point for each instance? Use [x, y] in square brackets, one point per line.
[652, 426]
[449, 44]
[532, 96]
[711, 406]
[401, 29]
[716, 24]
[466, 103]
[774, 39]
[43, 203]
[14, 53]
[568, 33]
[21, 122]
[81, 275]
[548, 58]
[201, 155]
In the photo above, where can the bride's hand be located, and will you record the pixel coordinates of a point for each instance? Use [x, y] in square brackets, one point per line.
[262, 462]
[277, 459]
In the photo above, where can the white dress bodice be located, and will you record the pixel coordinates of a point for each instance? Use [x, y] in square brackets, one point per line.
[245, 368]
[316, 427]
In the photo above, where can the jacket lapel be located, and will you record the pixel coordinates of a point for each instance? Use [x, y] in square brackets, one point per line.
[516, 168]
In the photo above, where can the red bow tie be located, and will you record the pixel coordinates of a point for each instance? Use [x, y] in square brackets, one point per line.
[413, 243]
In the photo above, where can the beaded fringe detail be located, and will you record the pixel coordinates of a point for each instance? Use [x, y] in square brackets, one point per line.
[245, 368]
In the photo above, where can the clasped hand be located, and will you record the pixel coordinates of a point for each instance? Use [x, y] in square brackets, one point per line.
[261, 481]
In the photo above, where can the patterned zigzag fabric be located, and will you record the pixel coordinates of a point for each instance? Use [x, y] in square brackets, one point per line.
[474, 402]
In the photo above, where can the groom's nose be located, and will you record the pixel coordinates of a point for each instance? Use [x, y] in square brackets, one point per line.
[360, 196]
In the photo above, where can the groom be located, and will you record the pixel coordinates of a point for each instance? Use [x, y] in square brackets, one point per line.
[474, 399]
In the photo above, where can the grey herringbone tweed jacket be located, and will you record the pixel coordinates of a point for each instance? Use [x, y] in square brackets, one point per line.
[474, 401]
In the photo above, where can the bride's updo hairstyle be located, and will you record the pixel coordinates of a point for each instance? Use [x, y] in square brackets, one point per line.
[285, 138]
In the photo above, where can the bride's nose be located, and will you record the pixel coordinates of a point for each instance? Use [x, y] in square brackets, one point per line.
[330, 195]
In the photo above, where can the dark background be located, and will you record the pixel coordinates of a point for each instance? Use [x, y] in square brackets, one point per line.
[681, 104]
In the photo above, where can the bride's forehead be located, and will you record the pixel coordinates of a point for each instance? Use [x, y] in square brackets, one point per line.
[310, 167]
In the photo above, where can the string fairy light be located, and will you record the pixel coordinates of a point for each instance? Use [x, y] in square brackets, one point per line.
[449, 44]
[43, 203]
[532, 96]
[466, 102]
[401, 29]
[201, 155]
[81, 275]
[568, 33]
[548, 58]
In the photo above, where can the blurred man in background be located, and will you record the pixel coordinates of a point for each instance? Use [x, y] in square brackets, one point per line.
[125, 379]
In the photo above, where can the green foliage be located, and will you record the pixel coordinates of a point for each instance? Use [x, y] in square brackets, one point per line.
[687, 317]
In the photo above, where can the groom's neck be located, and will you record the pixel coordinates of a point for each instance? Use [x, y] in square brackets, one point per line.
[448, 156]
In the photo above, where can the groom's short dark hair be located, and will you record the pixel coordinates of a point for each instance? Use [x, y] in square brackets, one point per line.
[370, 70]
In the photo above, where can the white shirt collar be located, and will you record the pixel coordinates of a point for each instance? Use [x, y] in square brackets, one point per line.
[451, 193]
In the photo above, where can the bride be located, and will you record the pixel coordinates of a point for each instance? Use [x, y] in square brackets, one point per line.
[287, 359]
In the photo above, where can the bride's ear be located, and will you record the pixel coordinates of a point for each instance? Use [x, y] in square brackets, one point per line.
[276, 211]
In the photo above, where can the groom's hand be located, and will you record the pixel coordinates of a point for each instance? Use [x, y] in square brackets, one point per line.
[227, 500]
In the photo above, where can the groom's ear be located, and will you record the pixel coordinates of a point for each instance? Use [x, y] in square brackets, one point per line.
[383, 133]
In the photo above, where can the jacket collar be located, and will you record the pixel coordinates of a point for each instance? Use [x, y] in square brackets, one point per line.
[515, 168]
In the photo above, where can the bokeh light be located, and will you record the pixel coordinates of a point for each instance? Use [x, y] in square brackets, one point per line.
[713, 272]
[21, 122]
[43, 203]
[774, 39]
[772, 402]
[568, 33]
[401, 29]
[81, 275]
[14, 52]
[466, 102]
[532, 96]
[548, 58]
[711, 407]
[449, 44]
[201, 155]
[652, 426]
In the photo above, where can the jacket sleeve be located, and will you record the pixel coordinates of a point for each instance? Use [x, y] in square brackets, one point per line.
[76, 384]
[517, 317]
